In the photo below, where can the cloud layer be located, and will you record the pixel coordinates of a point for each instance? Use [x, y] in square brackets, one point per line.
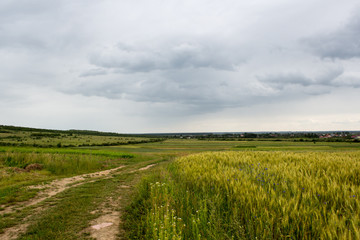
[179, 62]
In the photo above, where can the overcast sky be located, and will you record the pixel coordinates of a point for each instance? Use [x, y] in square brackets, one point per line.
[180, 65]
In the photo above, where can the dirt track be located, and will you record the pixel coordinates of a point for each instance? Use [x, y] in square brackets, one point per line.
[104, 227]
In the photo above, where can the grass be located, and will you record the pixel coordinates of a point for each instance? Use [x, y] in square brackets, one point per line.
[183, 147]
[79, 151]
[178, 201]
[11, 219]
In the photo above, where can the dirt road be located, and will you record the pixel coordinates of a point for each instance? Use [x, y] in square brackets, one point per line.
[105, 226]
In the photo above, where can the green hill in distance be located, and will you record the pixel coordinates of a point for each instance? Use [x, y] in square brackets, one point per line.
[24, 136]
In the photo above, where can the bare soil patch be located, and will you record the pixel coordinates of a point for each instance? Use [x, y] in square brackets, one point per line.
[143, 168]
[106, 227]
[14, 232]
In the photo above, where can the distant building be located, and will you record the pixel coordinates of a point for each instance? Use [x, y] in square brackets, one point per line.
[325, 136]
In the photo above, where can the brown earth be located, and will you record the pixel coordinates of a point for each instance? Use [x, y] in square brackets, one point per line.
[33, 166]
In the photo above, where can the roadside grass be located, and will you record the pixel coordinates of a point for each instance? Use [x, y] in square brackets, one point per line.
[14, 185]
[137, 212]
[11, 219]
[107, 152]
[55, 163]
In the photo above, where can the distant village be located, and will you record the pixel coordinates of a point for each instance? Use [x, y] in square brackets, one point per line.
[337, 135]
[278, 136]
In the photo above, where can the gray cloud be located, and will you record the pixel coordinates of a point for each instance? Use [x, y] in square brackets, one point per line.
[211, 89]
[329, 75]
[347, 81]
[309, 84]
[197, 90]
[125, 58]
[43, 27]
[343, 43]
[279, 81]
[200, 90]
[19, 20]
[93, 72]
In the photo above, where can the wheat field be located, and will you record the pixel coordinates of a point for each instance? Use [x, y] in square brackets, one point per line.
[256, 195]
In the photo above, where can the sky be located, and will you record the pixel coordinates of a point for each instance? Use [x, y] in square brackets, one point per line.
[149, 66]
